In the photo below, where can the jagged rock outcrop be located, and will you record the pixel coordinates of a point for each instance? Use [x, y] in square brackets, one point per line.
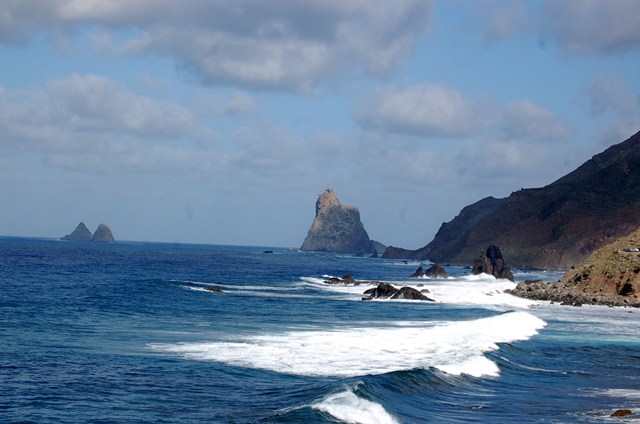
[491, 262]
[103, 234]
[609, 276]
[381, 291]
[337, 228]
[81, 233]
[434, 271]
[553, 227]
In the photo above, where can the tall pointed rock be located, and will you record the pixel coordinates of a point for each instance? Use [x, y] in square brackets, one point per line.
[103, 233]
[337, 227]
[81, 233]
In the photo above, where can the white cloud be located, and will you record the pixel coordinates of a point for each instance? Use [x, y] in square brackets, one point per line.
[611, 97]
[87, 122]
[526, 121]
[502, 20]
[592, 27]
[94, 103]
[280, 44]
[608, 93]
[422, 110]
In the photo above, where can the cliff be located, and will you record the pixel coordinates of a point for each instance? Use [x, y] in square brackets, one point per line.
[337, 228]
[553, 227]
[81, 233]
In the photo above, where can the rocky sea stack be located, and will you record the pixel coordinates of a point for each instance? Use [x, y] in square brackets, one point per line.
[82, 233]
[337, 228]
[103, 233]
[609, 276]
[491, 262]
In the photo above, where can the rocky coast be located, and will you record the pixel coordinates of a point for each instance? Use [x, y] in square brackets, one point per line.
[609, 276]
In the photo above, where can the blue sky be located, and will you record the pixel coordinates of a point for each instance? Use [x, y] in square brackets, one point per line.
[222, 121]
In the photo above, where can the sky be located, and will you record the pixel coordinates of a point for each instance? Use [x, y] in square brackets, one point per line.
[221, 121]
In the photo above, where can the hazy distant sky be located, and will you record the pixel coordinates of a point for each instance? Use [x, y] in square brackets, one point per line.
[221, 121]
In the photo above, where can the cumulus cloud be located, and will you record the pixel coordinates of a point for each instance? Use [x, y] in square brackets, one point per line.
[91, 102]
[526, 121]
[424, 110]
[434, 111]
[282, 44]
[592, 27]
[608, 95]
[502, 20]
[86, 119]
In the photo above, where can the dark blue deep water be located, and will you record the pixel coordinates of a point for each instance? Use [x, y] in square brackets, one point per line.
[127, 332]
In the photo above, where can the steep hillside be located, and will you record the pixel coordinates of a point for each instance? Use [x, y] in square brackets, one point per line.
[556, 226]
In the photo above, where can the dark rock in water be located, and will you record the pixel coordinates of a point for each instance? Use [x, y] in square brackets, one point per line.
[81, 233]
[337, 227]
[622, 413]
[419, 273]
[345, 280]
[491, 262]
[409, 293]
[268, 251]
[387, 291]
[374, 254]
[103, 234]
[435, 271]
[359, 255]
[213, 289]
[382, 291]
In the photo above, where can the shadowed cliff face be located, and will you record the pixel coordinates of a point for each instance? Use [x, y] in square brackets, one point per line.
[336, 227]
[553, 227]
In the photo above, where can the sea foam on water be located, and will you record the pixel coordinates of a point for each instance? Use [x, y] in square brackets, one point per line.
[455, 347]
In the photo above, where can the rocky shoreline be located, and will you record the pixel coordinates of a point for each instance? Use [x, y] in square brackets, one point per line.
[566, 294]
[610, 276]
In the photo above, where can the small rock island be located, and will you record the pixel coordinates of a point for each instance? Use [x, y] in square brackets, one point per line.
[81, 233]
[337, 228]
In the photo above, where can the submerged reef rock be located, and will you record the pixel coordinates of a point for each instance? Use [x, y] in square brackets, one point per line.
[337, 228]
[491, 262]
[81, 233]
[552, 227]
[103, 234]
[609, 276]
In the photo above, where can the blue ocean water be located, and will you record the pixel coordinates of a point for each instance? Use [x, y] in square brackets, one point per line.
[127, 332]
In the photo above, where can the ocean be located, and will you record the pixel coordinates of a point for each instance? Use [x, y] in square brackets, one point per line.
[129, 332]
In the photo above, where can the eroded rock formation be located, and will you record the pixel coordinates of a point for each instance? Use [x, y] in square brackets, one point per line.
[337, 228]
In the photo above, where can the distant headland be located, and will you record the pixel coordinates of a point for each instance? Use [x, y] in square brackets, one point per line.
[81, 233]
[553, 227]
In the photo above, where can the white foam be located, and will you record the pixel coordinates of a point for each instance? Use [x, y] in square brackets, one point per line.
[349, 408]
[482, 289]
[454, 347]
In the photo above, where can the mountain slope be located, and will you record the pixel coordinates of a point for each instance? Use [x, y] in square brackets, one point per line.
[556, 226]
